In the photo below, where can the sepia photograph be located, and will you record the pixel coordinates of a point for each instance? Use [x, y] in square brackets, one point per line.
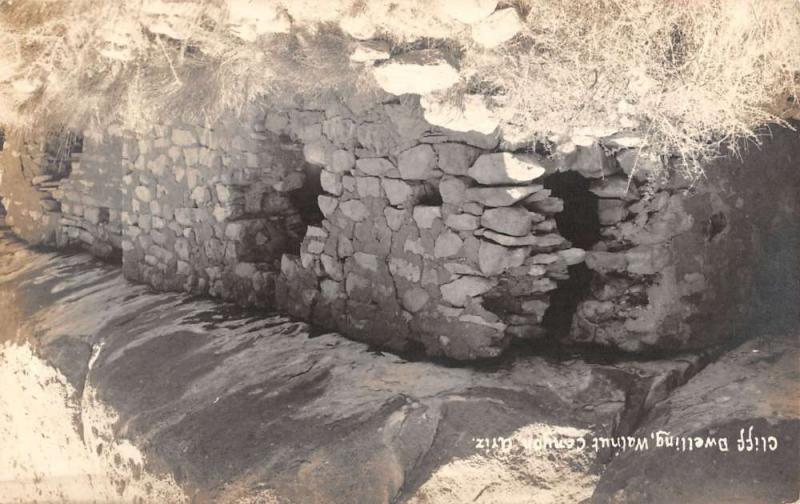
[400, 251]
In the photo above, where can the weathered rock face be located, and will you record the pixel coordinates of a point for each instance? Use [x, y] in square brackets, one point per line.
[243, 407]
[749, 399]
[680, 267]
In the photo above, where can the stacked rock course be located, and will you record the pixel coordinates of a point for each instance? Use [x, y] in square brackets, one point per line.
[30, 175]
[208, 210]
[366, 219]
[90, 198]
[431, 238]
[677, 264]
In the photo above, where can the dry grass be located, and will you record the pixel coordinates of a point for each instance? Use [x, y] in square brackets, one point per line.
[208, 74]
[694, 75]
[690, 75]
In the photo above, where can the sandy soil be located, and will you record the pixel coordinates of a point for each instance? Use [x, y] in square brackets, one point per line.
[57, 449]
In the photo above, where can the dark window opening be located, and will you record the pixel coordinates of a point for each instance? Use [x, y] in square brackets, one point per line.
[60, 150]
[716, 224]
[103, 215]
[580, 224]
[430, 196]
[305, 198]
[113, 256]
[306, 209]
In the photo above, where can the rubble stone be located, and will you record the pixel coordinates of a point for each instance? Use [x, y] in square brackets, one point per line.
[417, 163]
[505, 168]
[513, 221]
[500, 196]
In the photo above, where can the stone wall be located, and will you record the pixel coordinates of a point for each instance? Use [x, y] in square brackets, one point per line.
[208, 210]
[684, 267]
[90, 197]
[370, 221]
[30, 170]
[431, 239]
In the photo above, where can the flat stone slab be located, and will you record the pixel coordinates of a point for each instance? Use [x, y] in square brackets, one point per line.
[416, 72]
[504, 168]
[500, 196]
[516, 221]
[510, 241]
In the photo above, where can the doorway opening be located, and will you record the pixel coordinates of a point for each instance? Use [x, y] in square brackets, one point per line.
[580, 224]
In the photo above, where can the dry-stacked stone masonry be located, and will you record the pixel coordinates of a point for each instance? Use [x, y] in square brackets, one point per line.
[687, 266]
[30, 175]
[90, 197]
[211, 211]
[368, 220]
[430, 238]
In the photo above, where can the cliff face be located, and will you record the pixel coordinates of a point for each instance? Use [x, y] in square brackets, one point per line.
[416, 238]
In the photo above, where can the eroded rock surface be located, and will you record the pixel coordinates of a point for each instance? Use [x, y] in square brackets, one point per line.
[686, 265]
[242, 405]
[748, 397]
